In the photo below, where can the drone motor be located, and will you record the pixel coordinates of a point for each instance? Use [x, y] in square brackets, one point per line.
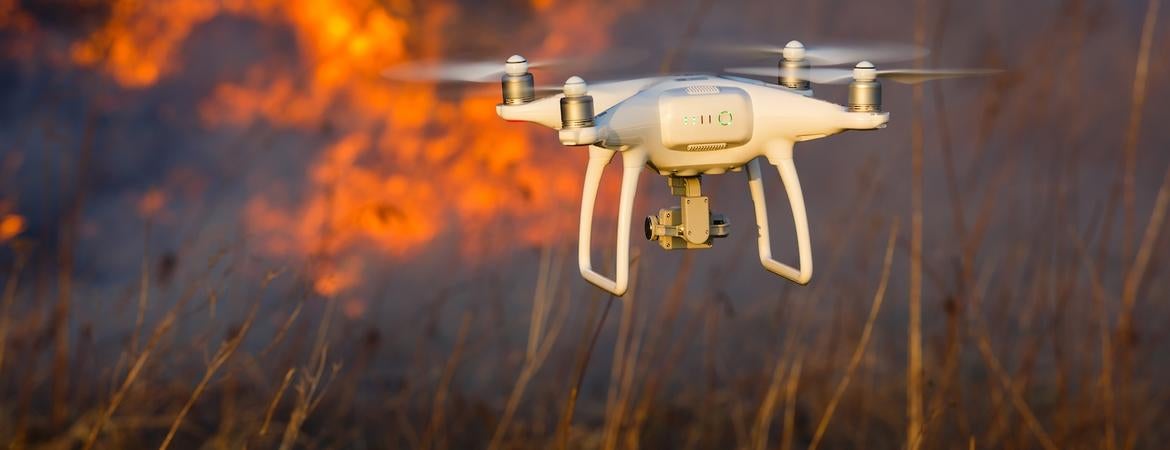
[865, 92]
[518, 85]
[793, 67]
[576, 105]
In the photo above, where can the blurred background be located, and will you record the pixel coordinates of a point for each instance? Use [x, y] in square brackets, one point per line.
[220, 227]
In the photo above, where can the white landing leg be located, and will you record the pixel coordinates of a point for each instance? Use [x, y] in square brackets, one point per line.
[792, 186]
[632, 162]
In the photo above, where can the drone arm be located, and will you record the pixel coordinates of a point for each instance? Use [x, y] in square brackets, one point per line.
[632, 162]
[796, 199]
[547, 111]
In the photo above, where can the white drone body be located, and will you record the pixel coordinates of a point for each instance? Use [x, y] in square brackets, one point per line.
[686, 126]
[691, 125]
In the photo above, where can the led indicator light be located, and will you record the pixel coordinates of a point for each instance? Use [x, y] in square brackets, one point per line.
[723, 119]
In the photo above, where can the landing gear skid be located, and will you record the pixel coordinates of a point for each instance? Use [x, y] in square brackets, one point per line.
[689, 225]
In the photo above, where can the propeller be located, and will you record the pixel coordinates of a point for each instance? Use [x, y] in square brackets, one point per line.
[462, 71]
[829, 75]
[491, 71]
[828, 55]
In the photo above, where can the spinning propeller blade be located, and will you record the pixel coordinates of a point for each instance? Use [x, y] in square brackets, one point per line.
[491, 71]
[829, 55]
[467, 71]
[915, 76]
[844, 76]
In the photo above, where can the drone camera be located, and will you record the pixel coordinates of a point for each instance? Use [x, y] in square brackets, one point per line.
[670, 230]
[690, 225]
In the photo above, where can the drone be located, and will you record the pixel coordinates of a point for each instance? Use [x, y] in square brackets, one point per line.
[686, 126]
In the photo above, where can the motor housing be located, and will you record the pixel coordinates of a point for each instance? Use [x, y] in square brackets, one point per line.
[794, 67]
[865, 92]
[576, 105]
[518, 86]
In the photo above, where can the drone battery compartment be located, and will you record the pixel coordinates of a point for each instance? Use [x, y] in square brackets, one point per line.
[705, 118]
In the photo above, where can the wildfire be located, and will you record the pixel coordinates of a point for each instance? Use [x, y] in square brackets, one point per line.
[406, 166]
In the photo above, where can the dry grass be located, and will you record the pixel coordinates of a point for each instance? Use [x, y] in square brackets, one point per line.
[808, 395]
[1027, 325]
[862, 344]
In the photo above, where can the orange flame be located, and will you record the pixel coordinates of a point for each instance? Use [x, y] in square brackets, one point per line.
[10, 14]
[11, 225]
[408, 165]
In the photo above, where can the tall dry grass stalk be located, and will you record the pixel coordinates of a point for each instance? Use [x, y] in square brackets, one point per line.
[545, 339]
[288, 376]
[1137, 272]
[284, 327]
[589, 341]
[768, 406]
[1007, 384]
[981, 335]
[949, 376]
[7, 299]
[69, 231]
[1134, 272]
[914, 369]
[656, 362]
[312, 383]
[862, 344]
[434, 436]
[539, 301]
[1129, 295]
[785, 376]
[790, 388]
[1104, 339]
[222, 355]
[625, 355]
[626, 388]
[143, 289]
[1132, 131]
[141, 359]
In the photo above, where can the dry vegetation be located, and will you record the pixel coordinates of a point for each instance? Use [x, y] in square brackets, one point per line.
[1040, 339]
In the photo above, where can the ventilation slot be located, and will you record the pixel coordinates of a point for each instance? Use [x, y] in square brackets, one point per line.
[702, 90]
[706, 147]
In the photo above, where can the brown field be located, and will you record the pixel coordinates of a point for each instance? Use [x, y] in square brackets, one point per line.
[221, 228]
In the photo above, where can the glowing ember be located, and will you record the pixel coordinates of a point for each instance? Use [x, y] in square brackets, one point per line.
[407, 166]
[11, 225]
[151, 202]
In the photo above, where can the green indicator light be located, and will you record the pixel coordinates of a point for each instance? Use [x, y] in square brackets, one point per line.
[724, 118]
